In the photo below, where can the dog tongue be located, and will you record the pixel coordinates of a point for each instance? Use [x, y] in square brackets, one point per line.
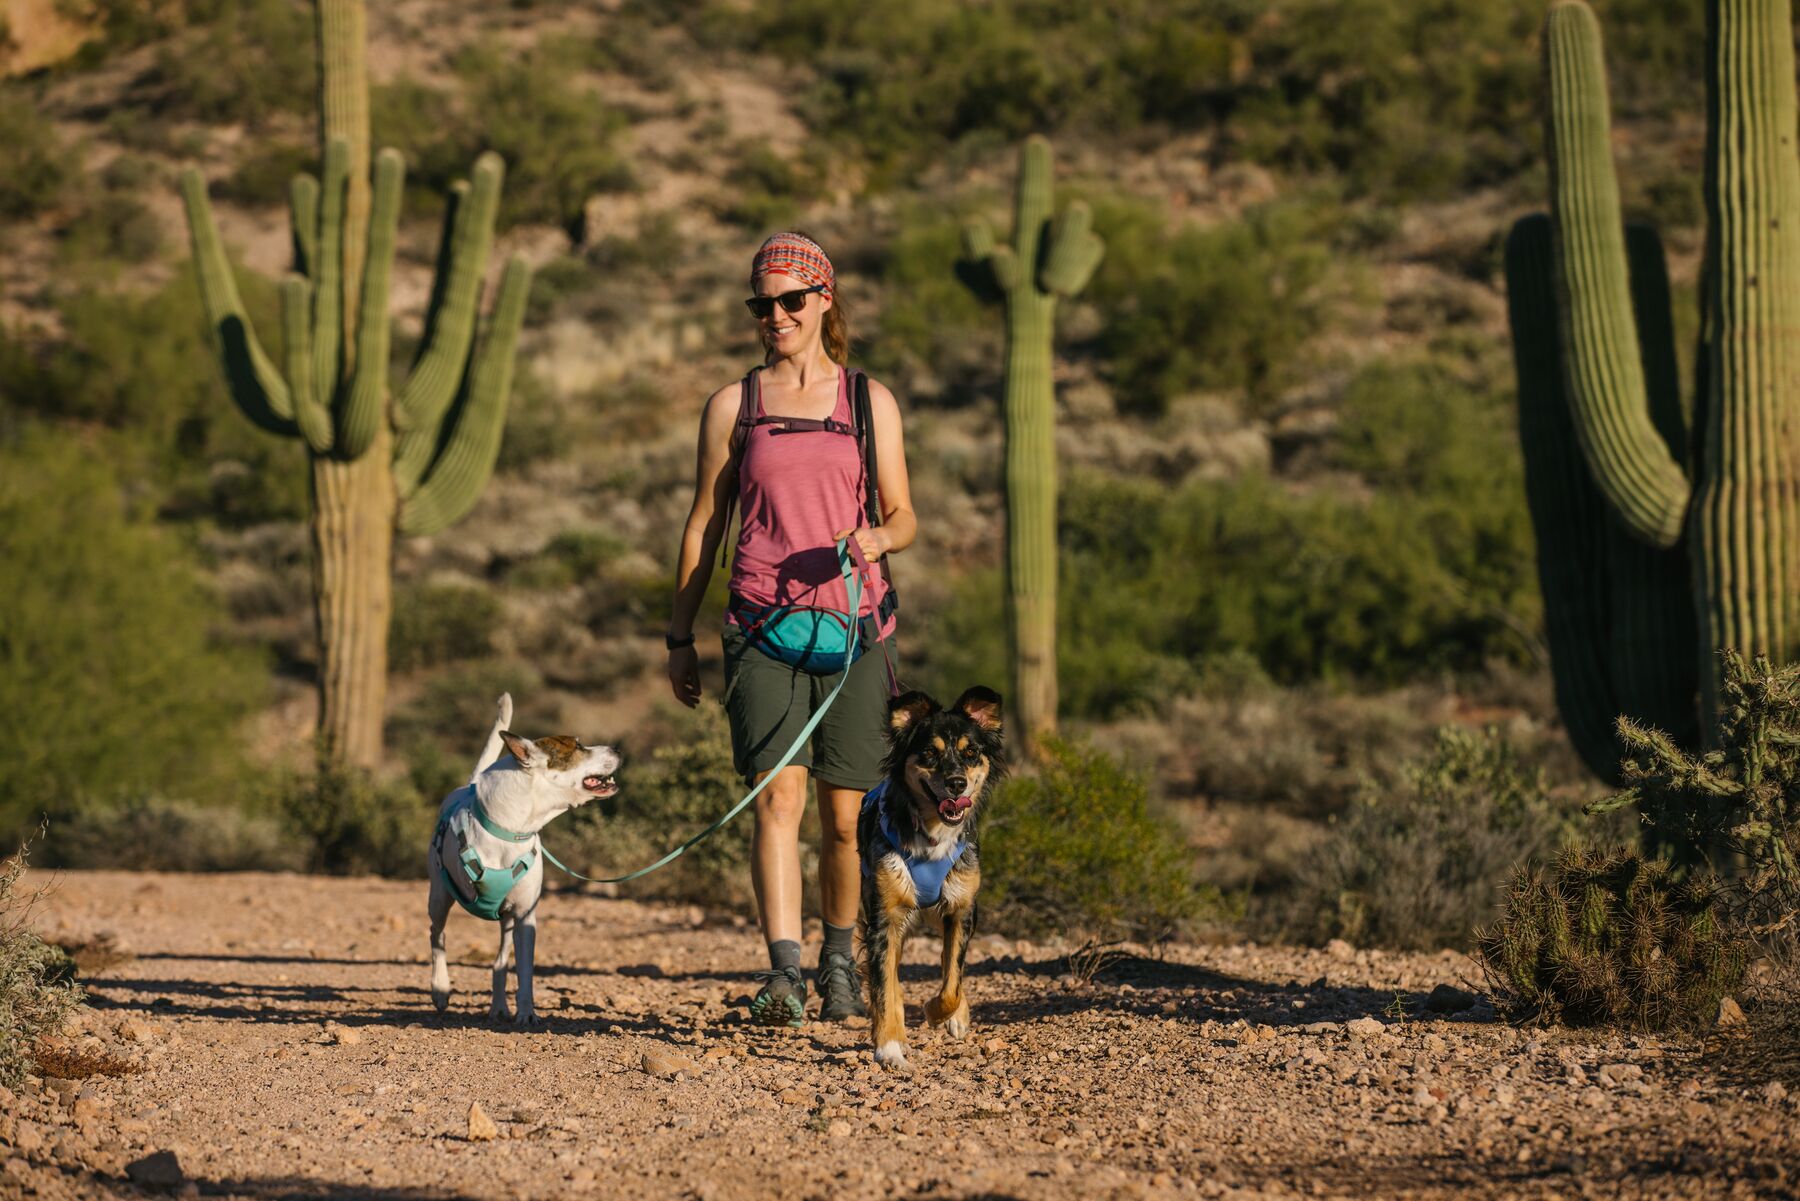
[951, 807]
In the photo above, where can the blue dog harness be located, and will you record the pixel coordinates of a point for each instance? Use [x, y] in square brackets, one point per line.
[491, 885]
[928, 875]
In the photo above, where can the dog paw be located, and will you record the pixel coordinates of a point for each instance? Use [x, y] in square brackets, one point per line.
[892, 1057]
[954, 1021]
[499, 1013]
[528, 1020]
[440, 999]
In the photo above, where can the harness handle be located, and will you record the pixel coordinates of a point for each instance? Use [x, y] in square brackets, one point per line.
[854, 566]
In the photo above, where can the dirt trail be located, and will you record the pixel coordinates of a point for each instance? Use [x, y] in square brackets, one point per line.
[287, 1048]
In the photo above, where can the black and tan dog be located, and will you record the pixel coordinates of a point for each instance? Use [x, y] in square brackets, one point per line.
[919, 858]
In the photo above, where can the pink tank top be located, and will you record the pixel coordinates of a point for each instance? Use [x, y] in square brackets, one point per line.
[795, 490]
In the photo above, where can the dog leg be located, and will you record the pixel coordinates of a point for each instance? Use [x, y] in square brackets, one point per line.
[950, 1008]
[525, 947]
[497, 1010]
[886, 914]
[440, 912]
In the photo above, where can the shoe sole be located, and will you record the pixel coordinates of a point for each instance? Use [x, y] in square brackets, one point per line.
[779, 1011]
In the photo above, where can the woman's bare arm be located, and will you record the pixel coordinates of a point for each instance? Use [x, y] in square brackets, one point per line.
[714, 479]
[898, 524]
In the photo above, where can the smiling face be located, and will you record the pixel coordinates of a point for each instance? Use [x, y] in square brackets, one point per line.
[785, 333]
[579, 773]
[947, 758]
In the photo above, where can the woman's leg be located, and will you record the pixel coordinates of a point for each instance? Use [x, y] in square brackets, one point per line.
[840, 871]
[775, 855]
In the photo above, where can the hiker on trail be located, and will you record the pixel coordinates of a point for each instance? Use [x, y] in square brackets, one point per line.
[791, 446]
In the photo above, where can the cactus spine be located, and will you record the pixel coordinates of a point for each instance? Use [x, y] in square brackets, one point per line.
[416, 462]
[1050, 256]
[1731, 512]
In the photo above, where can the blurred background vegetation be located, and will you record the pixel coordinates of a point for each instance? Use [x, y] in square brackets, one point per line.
[1293, 525]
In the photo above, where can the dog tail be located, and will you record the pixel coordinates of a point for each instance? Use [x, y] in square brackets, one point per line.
[494, 747]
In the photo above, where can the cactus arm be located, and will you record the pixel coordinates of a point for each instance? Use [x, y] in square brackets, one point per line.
[255, 384]
[303, 205]
[1567, 514]
[296, 328]
[328, 278]
[1642, 481]
[450, 325]
[1032, 204]
[461, 471]
[987, 270]
[367, 395]
[1074, 252]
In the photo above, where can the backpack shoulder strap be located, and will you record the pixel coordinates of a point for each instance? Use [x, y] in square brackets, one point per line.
[749, 400]
[862, 420]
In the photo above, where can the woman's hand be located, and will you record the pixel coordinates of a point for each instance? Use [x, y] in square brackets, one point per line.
[684, 675]
[874, 543]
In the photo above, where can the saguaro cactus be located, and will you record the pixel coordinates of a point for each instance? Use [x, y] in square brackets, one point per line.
[416, 464]
[1050, 256]
[1733, 497]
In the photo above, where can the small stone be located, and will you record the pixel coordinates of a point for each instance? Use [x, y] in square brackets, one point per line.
[1774, 1091]
[529, 1114]
[794, 1096]
[28, 1139]
[1069, 981]
[1593, 1098]
[994, 1046]
[838, 1129]
[1618, 1073]
[134, 1031]
[1447, 999]
[342, 1036]
[481, 1127]
[1340, 950]
[661, 1063]
[1730, 1014]
[1364, 1027]
[159, 1169]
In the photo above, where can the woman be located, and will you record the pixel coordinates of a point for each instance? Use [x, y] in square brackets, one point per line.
[798, 494]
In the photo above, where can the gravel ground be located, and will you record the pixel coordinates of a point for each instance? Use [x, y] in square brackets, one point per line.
[274, 1038]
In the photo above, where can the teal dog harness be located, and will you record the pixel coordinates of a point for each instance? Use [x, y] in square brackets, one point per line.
[490, 885]
[928, 875]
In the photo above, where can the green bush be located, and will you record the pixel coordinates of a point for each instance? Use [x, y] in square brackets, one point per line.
[113, 682]
[354, 825]
[37, 990]
[1077, 849]
[441, 732]
[1421, 864]
[245, 60]
[441, 623]
[930, 324]
[1610, 938]
[764, 190]
[1227, 306]
[573, 556]
[688, 784]
[157, 834]
[558, 136]
[33, 163]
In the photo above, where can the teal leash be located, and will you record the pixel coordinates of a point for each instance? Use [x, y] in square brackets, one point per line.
[852, 563]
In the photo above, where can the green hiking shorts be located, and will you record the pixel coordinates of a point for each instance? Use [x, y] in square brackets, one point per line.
[768, 703]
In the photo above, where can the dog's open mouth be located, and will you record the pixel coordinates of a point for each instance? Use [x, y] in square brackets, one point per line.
[600, 786]
[952, 810]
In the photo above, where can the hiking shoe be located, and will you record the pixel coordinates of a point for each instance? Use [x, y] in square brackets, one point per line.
[782, 1001]
[840, 989]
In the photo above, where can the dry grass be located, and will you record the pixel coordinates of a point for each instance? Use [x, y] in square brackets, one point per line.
[67, 1062]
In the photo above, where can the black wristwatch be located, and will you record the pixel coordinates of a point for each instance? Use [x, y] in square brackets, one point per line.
[675, 644]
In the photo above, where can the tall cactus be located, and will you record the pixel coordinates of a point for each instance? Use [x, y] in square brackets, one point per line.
[415, 462]
[1728, 507]
[1050, 256]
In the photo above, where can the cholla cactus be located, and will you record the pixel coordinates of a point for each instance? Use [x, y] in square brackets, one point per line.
[416, 464]
[1612, 938]
[1052, 255]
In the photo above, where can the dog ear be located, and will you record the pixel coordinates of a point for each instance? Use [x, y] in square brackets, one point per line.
[520, 748]
[981, 706]
[909, 708]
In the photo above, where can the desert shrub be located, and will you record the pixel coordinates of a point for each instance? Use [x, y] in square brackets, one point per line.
[1226, 306]
[160, 834]
[570, 557]
[348, 823]
[441, 623]
[243, 60]
[1419, 865]
[764, 190]
[37, 988]
[1077, 848]
[33, 165]
[559, 137]
[111, 226]
[113, 681]
[688, 783]
[262, 177]
[1611, 938]
[932, 332]
[440, 732]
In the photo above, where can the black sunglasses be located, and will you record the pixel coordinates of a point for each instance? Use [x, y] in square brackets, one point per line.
[793, 302]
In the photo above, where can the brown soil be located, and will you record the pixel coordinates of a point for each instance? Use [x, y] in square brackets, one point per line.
[280, 1042]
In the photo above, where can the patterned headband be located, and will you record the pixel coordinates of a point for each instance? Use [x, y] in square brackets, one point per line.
[796, 255]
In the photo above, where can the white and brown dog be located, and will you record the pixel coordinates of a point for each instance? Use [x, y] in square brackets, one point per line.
[485, 855]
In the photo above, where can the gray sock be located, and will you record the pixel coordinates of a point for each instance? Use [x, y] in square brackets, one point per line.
[784, 953]
[837, 941]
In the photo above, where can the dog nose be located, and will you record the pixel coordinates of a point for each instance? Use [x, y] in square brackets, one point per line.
[957, 784]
